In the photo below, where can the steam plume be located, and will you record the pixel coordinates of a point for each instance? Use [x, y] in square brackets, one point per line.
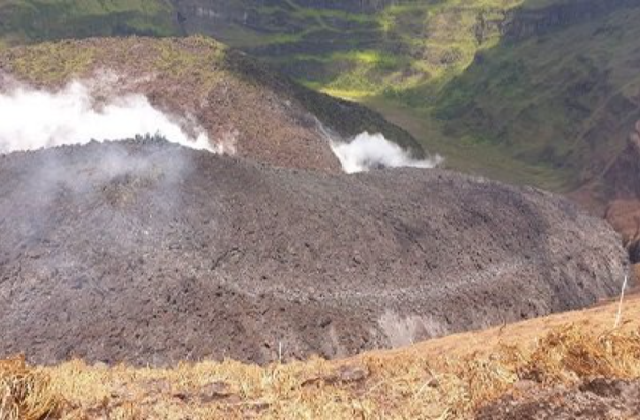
[369, 151]
[33, 119]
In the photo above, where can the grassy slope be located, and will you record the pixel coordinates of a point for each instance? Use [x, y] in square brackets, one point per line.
[469, 153]
[528, 113]
[443, 378]
[38, 20]
[567, 99]
[360, 54]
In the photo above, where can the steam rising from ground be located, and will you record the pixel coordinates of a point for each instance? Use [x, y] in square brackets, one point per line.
[369, 151]
[33, 119]
[78, 113]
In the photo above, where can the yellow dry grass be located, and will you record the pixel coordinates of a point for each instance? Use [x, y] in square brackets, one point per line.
[25, 393]
[445, 378]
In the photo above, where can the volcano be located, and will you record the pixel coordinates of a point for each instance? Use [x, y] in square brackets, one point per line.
[148, 252]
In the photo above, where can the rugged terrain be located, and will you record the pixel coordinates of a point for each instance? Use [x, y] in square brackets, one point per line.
[147, 252]
[571, 365]
[565, 101]
[541, 92]
[152, 254]
[36, 20]
[241, 104]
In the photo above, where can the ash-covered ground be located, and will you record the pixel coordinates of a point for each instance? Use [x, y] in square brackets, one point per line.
[592, 399]
[148, 252]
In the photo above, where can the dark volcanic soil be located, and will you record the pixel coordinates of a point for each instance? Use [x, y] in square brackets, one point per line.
[151, 253]
[593, 399]
[616, 194]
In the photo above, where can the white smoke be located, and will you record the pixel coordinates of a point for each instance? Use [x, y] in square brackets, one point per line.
[33, 119]
[369, 151]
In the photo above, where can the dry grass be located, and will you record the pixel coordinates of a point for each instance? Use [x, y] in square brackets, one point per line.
[416, 382]
[25, 394]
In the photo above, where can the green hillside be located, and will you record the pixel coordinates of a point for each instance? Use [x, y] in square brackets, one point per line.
[528, 91]
[357, 51]
[38, 20]
[568, 98]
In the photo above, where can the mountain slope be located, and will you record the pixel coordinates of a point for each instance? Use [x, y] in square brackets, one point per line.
[238, 102]
[569, 98]
[570, 365]
[537, 92]
[149, 252]
[38, 20]
[541, 82]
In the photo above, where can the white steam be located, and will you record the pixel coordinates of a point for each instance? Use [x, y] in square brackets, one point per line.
[80, 112]
[369, 151]
[33, 119]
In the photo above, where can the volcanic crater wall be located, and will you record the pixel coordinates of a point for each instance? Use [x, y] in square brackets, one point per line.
[148, 252]
[234, 99]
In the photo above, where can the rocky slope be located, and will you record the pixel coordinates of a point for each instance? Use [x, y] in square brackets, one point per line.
[150, 253]
[615, 193]
[570, 365]
[238, 102]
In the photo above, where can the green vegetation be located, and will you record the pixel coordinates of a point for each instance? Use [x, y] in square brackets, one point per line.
[470, 153]
[53, 63]
[513, 108]
[380, 53]
[550, 107]
[567, 99]
[39, 20]
[49, 62]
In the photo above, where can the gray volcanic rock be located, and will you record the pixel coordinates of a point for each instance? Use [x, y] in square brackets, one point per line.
[146, 252]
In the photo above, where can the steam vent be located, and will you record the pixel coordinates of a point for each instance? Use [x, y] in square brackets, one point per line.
[319, 209]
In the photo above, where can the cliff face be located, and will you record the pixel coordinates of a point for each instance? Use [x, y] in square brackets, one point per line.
[246, 11]
[618, 190]
[270, 16]
[622, 176]
[276, 26]
[525, 22]
[519, 22]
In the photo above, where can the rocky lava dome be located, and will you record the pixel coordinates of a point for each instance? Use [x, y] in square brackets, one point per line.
[147, 252]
